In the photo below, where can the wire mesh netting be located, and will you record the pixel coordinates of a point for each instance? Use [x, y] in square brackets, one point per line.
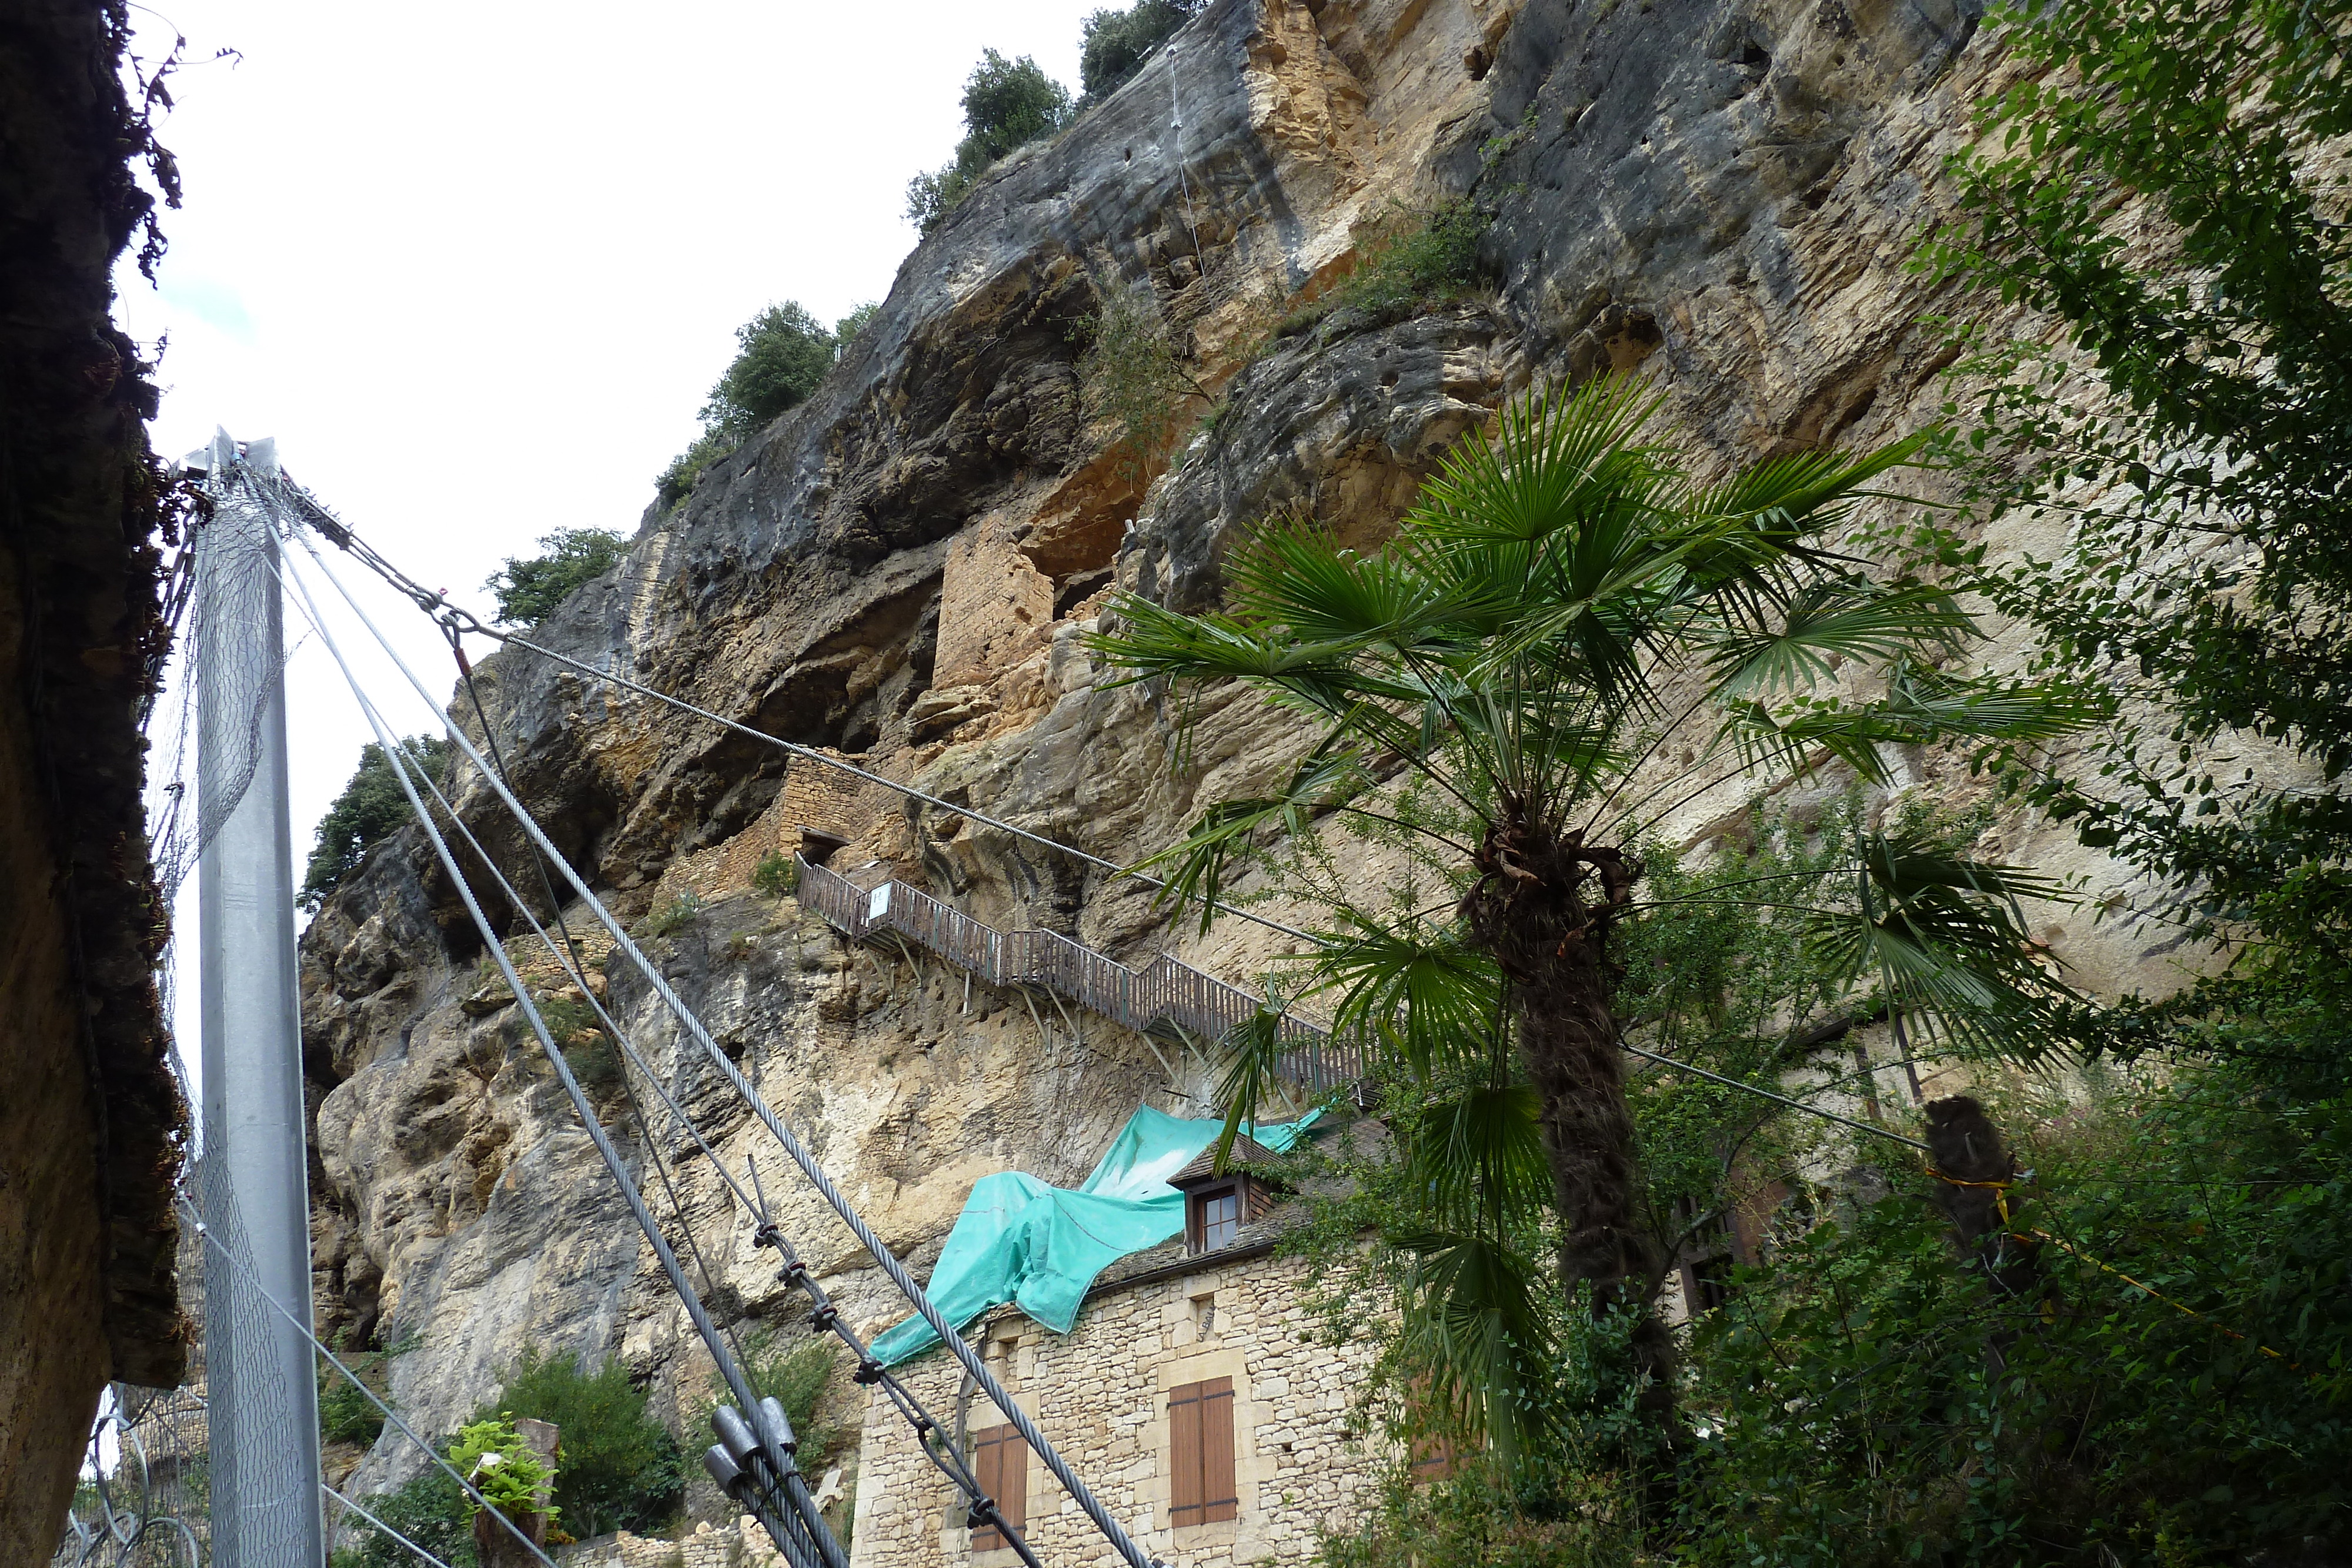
[151, 1475]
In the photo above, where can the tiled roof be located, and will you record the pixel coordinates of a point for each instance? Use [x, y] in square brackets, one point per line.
[1247, 1151]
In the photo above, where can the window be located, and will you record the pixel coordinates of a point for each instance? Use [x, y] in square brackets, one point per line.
[1200, 1453]
[1000, 1464]
[1216, 1216]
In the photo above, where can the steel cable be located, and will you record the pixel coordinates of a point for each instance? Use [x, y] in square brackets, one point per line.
[823, 1317]
[819, 1550]
[884, 1258]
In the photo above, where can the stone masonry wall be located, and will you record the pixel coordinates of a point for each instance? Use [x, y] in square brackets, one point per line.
[1100, 1394]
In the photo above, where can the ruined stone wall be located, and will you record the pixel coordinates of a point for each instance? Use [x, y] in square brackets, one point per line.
[1100, 1395]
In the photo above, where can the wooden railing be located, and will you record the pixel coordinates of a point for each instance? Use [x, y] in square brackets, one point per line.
[1165, 997]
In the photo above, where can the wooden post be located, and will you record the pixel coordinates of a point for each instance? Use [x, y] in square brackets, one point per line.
[493, 1542]
[1973, 1168]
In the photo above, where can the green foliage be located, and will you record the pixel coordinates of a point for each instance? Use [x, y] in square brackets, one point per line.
[1508, 658]
[676, 913]
[2206, 571]
[432, 1511]
[1114, 45]
[529, 591]
[1130, 378]
[370, 806]
[1862, 1401]
[780, 356]
[677, 482]
[488, 1452]
[1427, 260]
[618, 1469]
[1006, 104]
[846, 330]
[777, 874]
[345, 1413]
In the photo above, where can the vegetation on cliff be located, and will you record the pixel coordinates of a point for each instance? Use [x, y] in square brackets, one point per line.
[1006, 104]
[530, 588]
[370, 806]
[781, 357]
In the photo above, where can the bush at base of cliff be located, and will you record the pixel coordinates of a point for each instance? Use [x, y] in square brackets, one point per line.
[346, 1415]
[431, 1512]
[619, 1469]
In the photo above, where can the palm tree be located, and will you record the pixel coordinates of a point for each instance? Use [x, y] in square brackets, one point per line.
[1498, 688]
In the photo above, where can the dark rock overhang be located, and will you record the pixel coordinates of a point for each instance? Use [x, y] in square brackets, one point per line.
[80, 503]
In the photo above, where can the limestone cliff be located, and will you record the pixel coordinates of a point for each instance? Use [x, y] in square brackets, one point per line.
[1722, 193]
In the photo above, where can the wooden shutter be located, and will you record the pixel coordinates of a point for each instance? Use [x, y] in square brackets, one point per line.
[1200, 1453]
[1000, 1464]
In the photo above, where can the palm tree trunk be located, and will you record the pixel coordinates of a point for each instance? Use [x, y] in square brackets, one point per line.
[1542, 907]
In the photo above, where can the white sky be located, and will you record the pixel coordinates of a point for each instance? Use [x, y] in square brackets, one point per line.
[476, 265]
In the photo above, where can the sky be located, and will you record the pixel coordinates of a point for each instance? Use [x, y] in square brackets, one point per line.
[476, 266]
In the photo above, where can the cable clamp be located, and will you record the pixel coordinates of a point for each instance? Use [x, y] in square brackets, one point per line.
[869, 1371]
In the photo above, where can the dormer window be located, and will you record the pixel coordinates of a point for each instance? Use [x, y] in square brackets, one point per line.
[1217, 1206]
[1216, 1216]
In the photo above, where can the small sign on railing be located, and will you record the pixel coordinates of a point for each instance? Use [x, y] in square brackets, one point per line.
[877, 903]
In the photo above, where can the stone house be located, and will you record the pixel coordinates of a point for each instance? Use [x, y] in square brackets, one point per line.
[1190, 1395]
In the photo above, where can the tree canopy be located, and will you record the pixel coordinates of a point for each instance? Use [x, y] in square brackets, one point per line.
[1006, 104]
[780, 356]
[528, 590]
[1114, 44]
[370, 806]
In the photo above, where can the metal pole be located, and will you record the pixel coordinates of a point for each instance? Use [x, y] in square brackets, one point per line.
[263, 1391]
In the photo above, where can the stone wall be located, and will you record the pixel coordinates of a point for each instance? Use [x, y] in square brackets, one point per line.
[1100, 1395]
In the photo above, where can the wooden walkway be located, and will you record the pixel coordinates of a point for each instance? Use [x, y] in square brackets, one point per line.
[1167, 998]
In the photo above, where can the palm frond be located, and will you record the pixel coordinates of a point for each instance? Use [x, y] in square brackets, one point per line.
[1251, 1075]
[1945, 935]
[1415, 990]
[1473, 1318]
[1199, 864]
[1836, 619]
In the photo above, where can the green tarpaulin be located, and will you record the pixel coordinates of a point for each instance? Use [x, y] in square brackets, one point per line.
[1040, 1246]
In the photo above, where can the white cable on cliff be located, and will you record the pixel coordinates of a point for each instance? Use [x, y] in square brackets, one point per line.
[883, 1257]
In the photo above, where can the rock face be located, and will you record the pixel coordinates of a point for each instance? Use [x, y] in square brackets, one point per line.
[1719, 195]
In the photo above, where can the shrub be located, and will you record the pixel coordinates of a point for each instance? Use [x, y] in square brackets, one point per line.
[780, 356]
[345, 1413]
[674, 913]
[777, 875]
[677, 482]
[370, 806]
[1115, 44]
[529, 591]
[431, 1511]
[1006, 104]
[1429, 260]
[619, 1469]
[511, 1478]
[1130, 379]
[847, 330]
